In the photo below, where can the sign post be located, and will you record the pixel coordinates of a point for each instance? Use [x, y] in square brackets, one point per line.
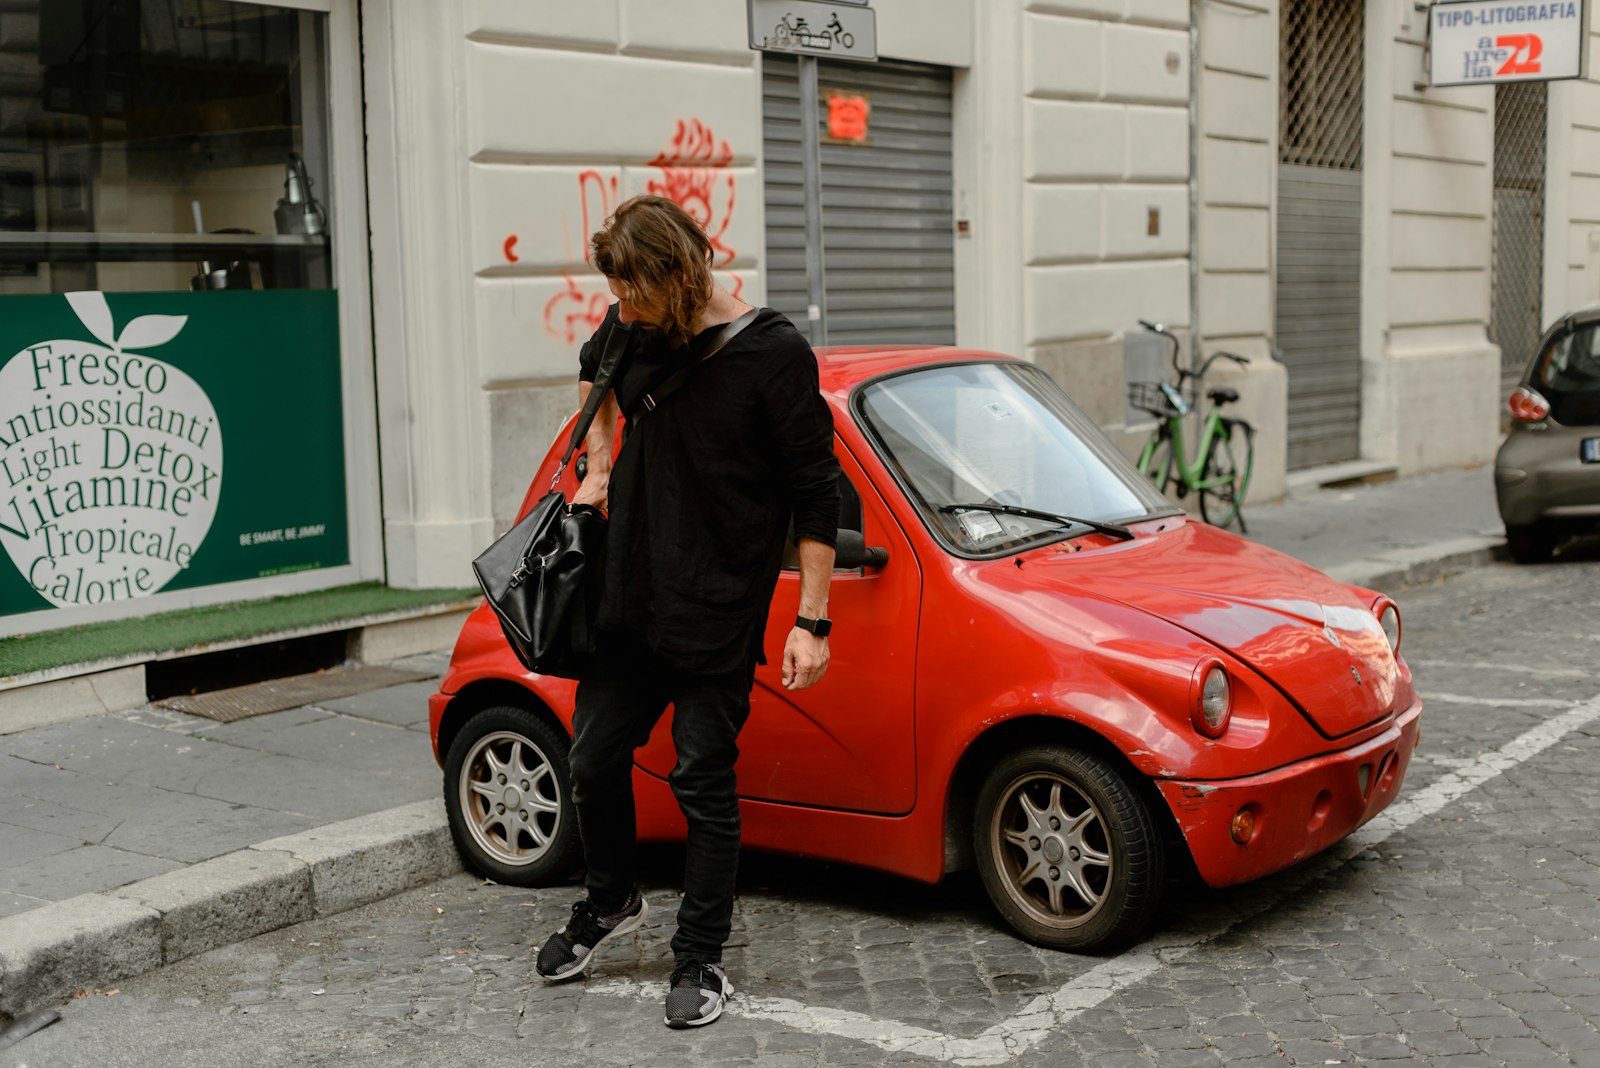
[807, 29]
[1483, 42]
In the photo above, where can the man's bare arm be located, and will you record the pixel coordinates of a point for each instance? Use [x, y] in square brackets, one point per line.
[596, 485]
[805, 656]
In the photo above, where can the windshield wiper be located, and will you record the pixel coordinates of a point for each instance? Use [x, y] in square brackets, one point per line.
[1050, 517]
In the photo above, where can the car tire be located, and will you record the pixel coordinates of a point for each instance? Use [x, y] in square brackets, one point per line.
[1090, 875]
[1534, 543]
[508, 797]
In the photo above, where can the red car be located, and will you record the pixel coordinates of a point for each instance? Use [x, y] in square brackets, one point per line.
[1040, 666]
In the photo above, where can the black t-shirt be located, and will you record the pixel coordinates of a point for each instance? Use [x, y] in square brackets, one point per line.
[703, 490]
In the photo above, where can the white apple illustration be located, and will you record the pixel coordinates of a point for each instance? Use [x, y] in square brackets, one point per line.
[110, 460]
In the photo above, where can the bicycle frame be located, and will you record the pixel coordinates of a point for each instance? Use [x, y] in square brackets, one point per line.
[1188, 474]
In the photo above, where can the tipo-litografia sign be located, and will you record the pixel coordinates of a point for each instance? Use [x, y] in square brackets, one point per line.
[1480, 42]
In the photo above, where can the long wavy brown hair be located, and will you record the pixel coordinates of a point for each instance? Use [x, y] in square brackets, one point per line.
[662, 258]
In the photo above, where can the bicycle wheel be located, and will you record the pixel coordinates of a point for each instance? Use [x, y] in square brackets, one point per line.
[1227, 471]
[1156, 461]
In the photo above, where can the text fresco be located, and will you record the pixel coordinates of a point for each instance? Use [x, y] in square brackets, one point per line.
[157, 441]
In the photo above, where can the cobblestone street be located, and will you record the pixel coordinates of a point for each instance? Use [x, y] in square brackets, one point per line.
[1460, 928]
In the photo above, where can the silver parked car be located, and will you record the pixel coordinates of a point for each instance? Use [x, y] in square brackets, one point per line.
[1547, 474]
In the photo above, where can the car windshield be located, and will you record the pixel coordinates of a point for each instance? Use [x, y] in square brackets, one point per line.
[1568, 376]
[964, 438]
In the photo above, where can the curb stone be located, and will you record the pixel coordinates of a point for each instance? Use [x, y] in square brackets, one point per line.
[90, 941]
[1410, 567]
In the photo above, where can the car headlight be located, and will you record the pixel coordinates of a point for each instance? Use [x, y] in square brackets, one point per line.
[1212, 699]
[1389, 620]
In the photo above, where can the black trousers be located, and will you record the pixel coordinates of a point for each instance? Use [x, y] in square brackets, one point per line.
[619, 702]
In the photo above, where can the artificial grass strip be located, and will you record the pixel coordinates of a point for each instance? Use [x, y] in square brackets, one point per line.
[188, 627]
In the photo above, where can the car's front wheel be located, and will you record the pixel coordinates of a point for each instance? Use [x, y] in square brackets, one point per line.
[508, 796]
[1068, 851]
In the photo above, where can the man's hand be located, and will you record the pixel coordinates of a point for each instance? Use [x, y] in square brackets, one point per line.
[805, 659]
[595, 490]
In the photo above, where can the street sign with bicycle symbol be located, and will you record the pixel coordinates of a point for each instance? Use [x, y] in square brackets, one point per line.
[814, 28]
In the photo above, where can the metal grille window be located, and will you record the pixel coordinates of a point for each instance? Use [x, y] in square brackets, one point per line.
[1517, 275]
[1320, 124]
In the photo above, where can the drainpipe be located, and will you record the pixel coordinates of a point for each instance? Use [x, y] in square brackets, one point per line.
[1194, 185]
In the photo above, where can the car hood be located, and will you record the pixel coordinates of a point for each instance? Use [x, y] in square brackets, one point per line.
[1312, 637]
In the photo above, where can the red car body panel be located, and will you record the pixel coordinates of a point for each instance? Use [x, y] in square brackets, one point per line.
[933, 652]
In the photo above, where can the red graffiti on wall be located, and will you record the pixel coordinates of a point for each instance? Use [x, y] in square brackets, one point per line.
[578, 310]
[694, 173]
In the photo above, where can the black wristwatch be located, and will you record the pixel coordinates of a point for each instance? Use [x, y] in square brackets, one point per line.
[819, 627]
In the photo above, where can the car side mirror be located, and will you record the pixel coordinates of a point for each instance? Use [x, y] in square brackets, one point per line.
[851, 551]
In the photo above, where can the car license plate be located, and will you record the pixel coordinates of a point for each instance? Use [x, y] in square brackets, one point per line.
[1591, 451]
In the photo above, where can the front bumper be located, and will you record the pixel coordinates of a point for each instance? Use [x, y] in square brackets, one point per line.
[1298, 810]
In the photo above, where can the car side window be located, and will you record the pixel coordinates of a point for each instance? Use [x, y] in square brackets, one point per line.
[850, 518]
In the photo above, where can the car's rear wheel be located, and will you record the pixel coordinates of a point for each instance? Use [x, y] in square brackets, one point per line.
[1534, 543]
[1067, 849]
[508, 796]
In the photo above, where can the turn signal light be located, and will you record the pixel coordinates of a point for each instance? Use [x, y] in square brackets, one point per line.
[1243, 827]
[1527, 406]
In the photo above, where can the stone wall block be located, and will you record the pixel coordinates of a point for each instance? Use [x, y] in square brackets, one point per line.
[537, 217]
[1438, 241]
[1236, 172]
[1442, 132]
[1104, 299]
[1235, 239]
[1423, 297]
[1062, 56]
[1241, 41]
[593, 22]
[1237, 106]
[718, 29]
[1127, 224]
[1158, 144]
[1235, 303]
[1432, 186]
[1091, 9]
[1063, 222]
[1146, 64]
[1072, 140]
[1174, 13]
[553, 106]
[1091, 374]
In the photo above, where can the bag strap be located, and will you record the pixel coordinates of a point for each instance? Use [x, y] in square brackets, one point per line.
[610, 357]
[652, 400]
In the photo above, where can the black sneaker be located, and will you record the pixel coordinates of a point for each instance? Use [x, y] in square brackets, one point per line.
[568, 951]
[697, 995]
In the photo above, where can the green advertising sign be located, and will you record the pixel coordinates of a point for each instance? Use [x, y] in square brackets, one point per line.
[163, 441]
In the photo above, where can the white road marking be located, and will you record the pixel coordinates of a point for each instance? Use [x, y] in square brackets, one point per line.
[1048, 1013]
[1520, 669]
[1498, 702]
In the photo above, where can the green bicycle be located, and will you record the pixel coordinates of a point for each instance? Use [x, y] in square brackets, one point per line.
[1225, 456]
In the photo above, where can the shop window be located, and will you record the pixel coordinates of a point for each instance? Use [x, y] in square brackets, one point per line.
[160, 145]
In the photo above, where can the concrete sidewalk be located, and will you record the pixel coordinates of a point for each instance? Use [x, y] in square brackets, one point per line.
[138, 838]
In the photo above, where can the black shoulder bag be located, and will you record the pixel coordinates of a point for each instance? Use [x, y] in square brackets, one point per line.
[542, 577]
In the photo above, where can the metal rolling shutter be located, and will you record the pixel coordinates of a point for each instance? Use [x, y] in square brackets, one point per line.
[1319, 310]
[887, 206]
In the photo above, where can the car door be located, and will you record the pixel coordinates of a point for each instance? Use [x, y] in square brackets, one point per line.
[847, 742]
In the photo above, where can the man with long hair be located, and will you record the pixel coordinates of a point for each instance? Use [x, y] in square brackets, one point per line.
[701, 499]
